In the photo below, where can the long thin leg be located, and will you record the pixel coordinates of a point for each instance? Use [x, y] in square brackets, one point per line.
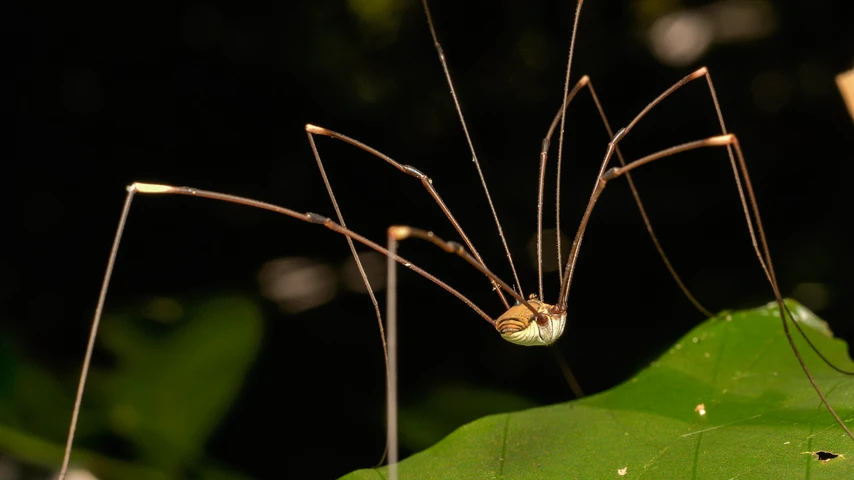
[613, 146]
[93, 332]
[391, 342]
[559, 150]
[541, 184]
[586, 82]
[426, 181]
[812, 346]
[444, 62]
[739, 171]
[601, 180]
[146, 188]
[402, 232]
[769, 271]
[362, 273]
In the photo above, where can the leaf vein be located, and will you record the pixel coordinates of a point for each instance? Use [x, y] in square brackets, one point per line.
[503, 458]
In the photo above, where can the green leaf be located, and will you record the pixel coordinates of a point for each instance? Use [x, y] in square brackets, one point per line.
[761, 416]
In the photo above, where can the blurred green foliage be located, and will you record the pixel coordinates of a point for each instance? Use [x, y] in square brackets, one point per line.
[176, 367]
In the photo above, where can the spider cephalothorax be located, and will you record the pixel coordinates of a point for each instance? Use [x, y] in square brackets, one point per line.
[521, 326]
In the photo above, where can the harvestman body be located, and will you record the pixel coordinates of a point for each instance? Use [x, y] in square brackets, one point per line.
[530, 321]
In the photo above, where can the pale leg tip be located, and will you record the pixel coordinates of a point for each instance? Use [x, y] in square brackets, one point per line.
[149, 188]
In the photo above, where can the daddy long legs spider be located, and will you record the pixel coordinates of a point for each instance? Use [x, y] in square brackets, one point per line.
[192, 162]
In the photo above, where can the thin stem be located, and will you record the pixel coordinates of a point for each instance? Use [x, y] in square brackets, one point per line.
[567, 374]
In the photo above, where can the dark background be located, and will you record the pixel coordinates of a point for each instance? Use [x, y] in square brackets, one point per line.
[216, 96]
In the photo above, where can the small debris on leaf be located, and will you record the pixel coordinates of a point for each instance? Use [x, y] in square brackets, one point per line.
[825, 457]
